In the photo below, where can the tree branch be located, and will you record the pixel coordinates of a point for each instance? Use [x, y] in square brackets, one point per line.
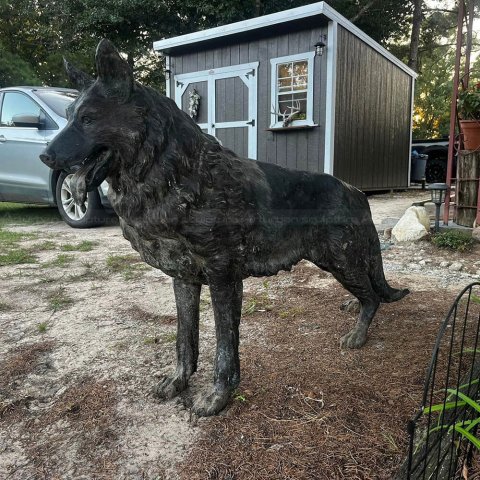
[362, 11]
[445, 10]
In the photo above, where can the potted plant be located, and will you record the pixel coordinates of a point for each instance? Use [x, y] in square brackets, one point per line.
[469, 113]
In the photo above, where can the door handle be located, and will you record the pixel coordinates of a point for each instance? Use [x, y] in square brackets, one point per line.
[2, 138]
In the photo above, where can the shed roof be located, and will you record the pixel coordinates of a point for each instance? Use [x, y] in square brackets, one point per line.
[237, 31]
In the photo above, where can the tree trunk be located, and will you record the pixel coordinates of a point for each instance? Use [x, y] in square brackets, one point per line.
[258, 7]
[131, 60]
[362, 11]
[415, 38]
[469, 40]
[468, 175]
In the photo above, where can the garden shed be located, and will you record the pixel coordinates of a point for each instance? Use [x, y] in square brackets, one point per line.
[302, 88]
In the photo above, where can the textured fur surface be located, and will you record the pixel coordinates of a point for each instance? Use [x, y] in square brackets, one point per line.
[203, 215]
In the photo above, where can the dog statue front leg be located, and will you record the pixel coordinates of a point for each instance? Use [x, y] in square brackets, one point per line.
[187, 297]
[227, 308]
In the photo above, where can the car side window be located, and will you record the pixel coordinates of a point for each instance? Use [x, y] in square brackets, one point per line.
[17, 104]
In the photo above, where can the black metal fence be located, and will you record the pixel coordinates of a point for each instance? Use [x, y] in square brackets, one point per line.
[443, 432]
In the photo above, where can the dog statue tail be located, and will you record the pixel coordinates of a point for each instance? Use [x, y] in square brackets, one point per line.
[386, 293]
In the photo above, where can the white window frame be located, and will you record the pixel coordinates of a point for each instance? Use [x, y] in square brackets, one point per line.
[308, 121]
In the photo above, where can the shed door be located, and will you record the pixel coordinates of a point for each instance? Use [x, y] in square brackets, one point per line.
[227, 105]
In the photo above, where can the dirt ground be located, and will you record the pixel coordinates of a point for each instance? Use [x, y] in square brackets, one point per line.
[86, 330]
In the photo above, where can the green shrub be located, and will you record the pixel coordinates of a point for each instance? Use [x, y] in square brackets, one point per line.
[453, 240]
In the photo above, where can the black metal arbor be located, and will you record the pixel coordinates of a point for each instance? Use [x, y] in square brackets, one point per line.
[443, 432]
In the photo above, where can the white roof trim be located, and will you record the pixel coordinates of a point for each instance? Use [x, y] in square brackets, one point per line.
[274, 19]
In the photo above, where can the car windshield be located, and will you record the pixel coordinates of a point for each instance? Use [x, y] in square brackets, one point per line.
[57, 100]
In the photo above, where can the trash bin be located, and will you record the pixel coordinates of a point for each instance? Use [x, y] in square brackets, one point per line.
[417, 171]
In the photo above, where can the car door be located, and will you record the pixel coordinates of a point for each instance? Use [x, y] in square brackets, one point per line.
[23, 177]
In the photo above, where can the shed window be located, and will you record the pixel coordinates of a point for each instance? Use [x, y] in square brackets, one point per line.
[292, 90]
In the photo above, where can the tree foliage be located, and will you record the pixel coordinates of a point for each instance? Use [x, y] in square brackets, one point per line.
[381, 19]
[433, 95]
[14, 70]
[41, 32]
[434, 86]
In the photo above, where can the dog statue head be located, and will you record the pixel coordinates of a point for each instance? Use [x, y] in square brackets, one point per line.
[105, 124]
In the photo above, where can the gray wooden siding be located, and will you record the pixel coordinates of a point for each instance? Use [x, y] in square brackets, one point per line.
[231, 104]
[297, 149]
[373, 117]
[201, 88]
[235, 138]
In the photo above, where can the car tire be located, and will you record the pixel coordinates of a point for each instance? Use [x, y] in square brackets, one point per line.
[91, 214]
[435, 171]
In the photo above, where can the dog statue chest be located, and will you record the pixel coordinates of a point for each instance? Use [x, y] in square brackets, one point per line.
[169, 255]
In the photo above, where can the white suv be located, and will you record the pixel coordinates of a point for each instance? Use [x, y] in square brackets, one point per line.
[30, 117]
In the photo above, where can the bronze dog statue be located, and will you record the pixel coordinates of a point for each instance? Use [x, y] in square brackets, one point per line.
[205, 216]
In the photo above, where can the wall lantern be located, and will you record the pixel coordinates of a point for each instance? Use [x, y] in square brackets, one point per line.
[320, 48]
[438, 192]
[168, 73]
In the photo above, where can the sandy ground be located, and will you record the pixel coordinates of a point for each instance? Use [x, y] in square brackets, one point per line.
[85, 335]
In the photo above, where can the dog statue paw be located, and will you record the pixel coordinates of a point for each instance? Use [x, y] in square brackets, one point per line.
[354, 339]
[170, 387]
[212, 403]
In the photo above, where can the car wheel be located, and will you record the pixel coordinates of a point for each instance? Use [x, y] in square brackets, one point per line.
[91, 214]
[435, 171]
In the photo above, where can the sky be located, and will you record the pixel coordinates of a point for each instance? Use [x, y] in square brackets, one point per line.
[450, 4]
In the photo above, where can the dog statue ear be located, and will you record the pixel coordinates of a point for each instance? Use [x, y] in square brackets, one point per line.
[113, 71]
[78, 79]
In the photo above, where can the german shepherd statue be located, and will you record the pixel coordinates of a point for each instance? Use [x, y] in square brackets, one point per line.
[205, 216]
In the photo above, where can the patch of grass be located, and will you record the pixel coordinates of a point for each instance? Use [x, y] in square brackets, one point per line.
[239, 396]
[59, 300]
[258, 303]
[9, 239]
[42, 327]
[89, 274]
[151, 340]
[62, 260]
[46, 245]
[169, 337]
[85, 246]
[17, 256]
[17, 213]
[291, 312]
[118, 263]
[11, 252]
[453, 240]
[129, 266]
[475, 299]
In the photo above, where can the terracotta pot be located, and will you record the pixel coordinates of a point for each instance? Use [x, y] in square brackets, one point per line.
[471, 134]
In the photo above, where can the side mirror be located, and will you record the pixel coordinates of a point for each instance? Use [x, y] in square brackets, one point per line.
[26, 120]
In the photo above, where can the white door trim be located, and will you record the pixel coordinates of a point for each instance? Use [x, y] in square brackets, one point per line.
[248, 73]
